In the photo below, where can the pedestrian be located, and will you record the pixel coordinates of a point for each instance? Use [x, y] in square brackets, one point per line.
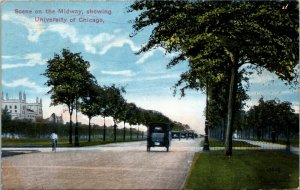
[273, 135]
[54, 139]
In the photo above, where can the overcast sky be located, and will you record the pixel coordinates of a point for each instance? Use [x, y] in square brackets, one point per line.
[27, 43]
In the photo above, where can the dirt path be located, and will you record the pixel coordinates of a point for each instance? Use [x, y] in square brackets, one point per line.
[126, 166]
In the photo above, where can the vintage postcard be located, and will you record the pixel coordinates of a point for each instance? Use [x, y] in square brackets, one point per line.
[149, 94]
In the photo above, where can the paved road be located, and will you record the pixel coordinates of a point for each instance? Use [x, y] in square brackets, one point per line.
[114, 166]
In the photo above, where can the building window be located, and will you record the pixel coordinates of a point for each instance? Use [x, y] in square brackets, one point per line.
[16, 111]
[16, 107]
[10, 107]
[6, 107]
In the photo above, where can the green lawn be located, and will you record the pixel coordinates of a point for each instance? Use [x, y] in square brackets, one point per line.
[244, 170]
[61, 143]
[293, 142]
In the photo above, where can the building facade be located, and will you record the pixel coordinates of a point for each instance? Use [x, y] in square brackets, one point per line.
[21, 109]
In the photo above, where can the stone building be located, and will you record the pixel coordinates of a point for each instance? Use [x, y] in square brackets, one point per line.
[55, 119]
[21, 109]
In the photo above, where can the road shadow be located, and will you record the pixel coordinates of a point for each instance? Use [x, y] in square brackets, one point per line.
[9, 153]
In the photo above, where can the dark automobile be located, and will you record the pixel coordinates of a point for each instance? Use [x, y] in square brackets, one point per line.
[175, 134]
[159, 135]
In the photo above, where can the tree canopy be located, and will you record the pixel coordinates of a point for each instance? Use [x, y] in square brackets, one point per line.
[219, 38]
[68, 77]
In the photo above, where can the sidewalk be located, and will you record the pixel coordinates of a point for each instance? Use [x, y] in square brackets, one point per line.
[269, 146]
[261, 145]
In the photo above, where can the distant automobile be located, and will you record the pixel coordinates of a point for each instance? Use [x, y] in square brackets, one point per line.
[175, 134]
[159, 135]
[191, 135]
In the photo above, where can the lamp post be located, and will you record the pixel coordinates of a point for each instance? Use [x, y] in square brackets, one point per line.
[206, 143]
[130, 132]
[288, 144]
[104, 130]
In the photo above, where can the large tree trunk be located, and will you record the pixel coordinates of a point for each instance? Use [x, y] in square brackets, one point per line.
[115, 131]
[89, 129]
[224, 129]
[231, 108]
[70, 129]
[76, 128]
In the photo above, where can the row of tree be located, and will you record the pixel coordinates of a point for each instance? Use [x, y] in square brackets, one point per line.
[73, 85]
[267, 120]
[41, 129]
[224, 42]
[271, 117]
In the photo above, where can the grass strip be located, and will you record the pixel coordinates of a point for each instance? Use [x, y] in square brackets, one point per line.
[244, 170]
[61, 142]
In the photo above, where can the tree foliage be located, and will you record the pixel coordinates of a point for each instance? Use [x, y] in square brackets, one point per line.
[73, 85]
[115, 104]
[68, 76]
[218, 38]
[5, 116]
[272, 115]
[92, 104]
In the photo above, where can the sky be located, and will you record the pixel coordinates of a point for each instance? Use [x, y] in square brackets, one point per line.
[32, 32]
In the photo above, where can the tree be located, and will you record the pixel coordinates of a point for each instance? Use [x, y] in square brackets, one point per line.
[139, 119]
[236, 34]
[217, 104]
[123, 116]
[152, 116]
[68, 77]
[115, 104]
[272, 115]
[92, 104]
[177, 126]
[132, 116]
[105, 109]
[128, 114]
[5, 116]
